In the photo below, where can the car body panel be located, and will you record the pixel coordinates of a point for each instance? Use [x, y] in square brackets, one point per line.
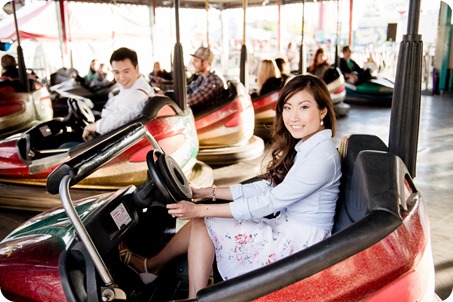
[22, 110]
[392, 268]
[377, 91]
[225, 130]
[176, 133]
[231, 123]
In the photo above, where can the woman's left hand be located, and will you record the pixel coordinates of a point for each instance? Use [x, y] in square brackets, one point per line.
[183, 210]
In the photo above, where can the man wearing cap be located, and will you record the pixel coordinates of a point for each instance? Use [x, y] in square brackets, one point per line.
[209, 86]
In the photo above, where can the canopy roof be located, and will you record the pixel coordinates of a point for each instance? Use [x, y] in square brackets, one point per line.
[220, 4]
[40, 20]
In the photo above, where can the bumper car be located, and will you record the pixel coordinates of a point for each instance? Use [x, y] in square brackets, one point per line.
[378, 91]
[380, 249]
[27, 158]
[225, 130]
[67, 82]
[337, 88]
[22, 110]
[264, 107]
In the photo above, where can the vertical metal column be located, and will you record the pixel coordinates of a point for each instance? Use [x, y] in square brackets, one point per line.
[405, 114]
[244, 68]
[179, 74]
[20, 55]
[302, 69]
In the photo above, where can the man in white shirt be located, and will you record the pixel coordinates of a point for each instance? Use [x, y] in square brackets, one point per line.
[129, 102]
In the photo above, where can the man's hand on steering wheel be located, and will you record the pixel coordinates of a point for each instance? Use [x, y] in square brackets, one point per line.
[89, 132]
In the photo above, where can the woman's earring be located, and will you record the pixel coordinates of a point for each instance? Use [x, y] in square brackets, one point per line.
[322, 122]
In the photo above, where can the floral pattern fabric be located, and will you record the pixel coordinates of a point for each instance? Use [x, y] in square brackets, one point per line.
[242, 246]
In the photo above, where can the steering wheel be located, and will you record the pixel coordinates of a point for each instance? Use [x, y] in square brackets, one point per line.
[79, 113]
[166, 182]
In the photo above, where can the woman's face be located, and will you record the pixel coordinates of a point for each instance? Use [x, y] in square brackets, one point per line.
[301, 115]
[320, 58]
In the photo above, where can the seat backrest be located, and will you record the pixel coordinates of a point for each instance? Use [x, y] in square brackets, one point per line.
[271, 85]
[331, 74]
[348, 208]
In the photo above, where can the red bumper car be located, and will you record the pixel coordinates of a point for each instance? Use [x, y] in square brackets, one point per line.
[22, 110]
[380, 249]
[27, 158]
[225, 130]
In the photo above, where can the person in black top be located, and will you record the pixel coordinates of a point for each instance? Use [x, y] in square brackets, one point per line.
[9, 67]
[352, 72]
[268, 78]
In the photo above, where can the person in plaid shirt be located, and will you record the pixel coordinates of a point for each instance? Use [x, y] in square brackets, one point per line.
[208, 86]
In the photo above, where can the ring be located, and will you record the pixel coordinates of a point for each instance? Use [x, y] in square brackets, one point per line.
[173, 216]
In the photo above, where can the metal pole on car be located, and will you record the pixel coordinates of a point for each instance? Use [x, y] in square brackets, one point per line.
[405, 114]
[20, 55]
[179, 72]
[243, 77]
[302, 68]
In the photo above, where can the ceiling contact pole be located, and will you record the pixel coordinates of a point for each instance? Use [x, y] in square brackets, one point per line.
[179, 74]
[23, 77]
[243, 77]
[405, 114]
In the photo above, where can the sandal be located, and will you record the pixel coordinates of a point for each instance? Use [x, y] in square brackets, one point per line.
[125, 257]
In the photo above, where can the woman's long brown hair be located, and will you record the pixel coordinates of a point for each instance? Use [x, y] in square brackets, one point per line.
[283, 143]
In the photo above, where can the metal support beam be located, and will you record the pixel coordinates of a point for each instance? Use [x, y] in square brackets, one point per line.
[405, 114]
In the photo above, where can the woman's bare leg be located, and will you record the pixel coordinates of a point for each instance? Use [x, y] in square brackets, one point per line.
[177, 246]
[200, 256]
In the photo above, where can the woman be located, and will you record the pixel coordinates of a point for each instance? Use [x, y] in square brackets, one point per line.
[319, 64]
[268, 77]
[301, 183]
[159, 75]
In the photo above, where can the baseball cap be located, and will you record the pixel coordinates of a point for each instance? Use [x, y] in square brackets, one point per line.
[205, 54]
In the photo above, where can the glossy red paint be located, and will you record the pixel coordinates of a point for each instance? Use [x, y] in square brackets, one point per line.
[234, 122]
[9, 107]
[29, 269]
[340, 89]
[399, 266]
[219, 117]
[266, 103]
[9, 98]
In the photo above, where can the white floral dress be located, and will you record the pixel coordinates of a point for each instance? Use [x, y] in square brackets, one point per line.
[306, 201]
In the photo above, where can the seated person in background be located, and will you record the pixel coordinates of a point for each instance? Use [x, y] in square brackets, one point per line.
[9, 68]
[268, 78]
[208, 86]
[158, 75]
[319, 64]
[94, 67]
[352, 72]
[301, 183]
[284, 69]
[10, 75]
[102, 78]
[129, 102]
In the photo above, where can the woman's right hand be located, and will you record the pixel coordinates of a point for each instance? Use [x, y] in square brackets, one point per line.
[183, 210]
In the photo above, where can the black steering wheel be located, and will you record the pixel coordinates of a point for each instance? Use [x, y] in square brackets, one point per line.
[79, 113]
[166, 182]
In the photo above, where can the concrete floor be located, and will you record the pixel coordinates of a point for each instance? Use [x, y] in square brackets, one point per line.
[434, 173]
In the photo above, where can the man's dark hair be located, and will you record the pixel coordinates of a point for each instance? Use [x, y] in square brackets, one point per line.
[124, 53]
[345, 48]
